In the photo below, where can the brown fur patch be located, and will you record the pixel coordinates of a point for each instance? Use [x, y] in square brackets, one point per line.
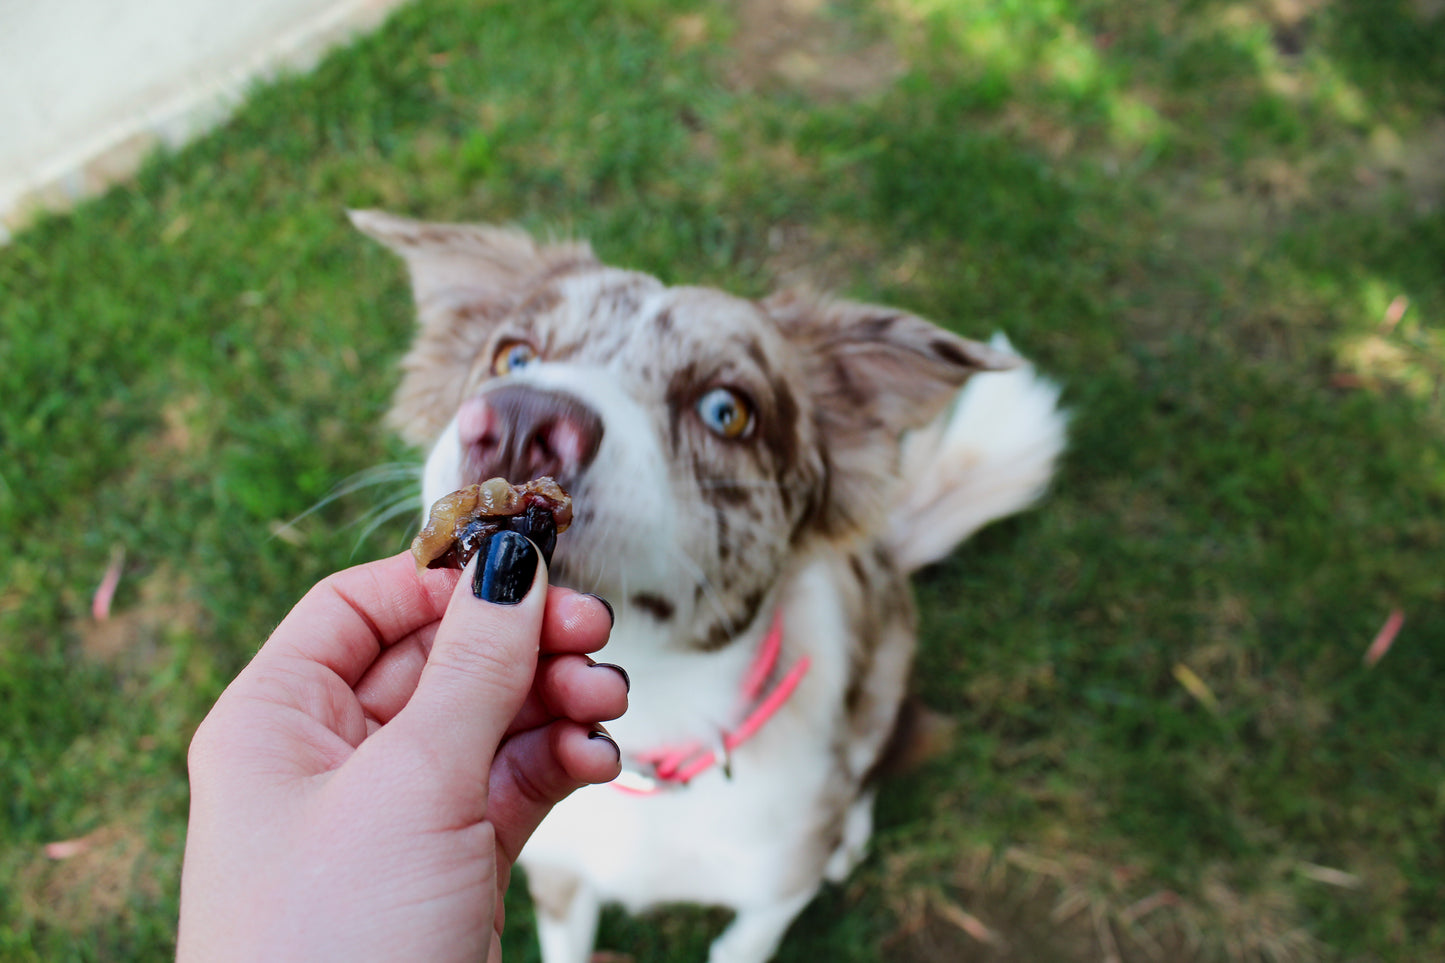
[919, 735]
[727, 627]
[654, 605]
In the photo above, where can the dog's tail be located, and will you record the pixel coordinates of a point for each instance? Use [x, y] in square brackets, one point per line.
[990, 454]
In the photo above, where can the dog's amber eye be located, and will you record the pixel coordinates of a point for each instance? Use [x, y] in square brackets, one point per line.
[726, 413]
[513, 356]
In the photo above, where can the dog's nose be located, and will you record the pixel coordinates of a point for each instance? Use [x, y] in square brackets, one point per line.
[520, 433]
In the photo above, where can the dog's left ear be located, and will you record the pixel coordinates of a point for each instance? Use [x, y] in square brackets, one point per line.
[465, 278]
[474, 264]
[874, 373]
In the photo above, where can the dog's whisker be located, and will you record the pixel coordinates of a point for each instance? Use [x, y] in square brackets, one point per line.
[379, 475]
[380, 516]
[384, 474]
[387, 509]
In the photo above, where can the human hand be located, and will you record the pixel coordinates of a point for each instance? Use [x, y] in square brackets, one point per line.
[361, 789]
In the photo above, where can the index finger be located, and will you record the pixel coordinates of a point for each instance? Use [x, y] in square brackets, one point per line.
[348, 618]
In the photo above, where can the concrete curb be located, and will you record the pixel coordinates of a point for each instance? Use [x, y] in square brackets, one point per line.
[94, 118]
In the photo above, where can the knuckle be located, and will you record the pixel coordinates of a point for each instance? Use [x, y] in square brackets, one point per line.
[478, 663]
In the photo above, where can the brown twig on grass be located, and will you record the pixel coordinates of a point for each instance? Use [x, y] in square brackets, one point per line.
[964, 920]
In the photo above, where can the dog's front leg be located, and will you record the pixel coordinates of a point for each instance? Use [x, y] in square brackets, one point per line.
[567, 913]
[754, 934]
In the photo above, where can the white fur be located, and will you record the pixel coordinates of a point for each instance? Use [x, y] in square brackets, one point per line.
[989, 455]
[740, 842]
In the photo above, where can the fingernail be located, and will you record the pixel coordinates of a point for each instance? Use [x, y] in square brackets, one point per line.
[506, 570]
[611, 615]
[626, 679]
[601, 733]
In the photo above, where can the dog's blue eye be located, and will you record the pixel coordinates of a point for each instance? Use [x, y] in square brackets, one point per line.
[725, 413]
[513, 356]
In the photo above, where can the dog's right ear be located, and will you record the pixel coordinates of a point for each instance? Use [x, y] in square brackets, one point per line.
[874, 373]
[471, 265]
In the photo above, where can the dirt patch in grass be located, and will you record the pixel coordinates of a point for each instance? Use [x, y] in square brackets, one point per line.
[1415, 162]
[989, 929]
[1028, 907]
[134, 634]
[179, 434]
[803, 256]
[75, 884]
[803, 44]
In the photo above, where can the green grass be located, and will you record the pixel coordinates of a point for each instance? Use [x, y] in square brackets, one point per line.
[1196, 216]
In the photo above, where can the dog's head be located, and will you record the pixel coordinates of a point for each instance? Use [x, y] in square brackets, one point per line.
[705, 438]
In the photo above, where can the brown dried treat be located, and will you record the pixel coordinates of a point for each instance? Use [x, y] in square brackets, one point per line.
[461, 522]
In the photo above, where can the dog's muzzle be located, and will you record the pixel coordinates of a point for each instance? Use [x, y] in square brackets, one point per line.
[519, 433]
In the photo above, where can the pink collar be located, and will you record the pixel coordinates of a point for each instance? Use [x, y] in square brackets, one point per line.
[673, 767]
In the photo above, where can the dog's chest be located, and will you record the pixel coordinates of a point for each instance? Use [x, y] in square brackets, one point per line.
[710, 842]
[765, 815]
[679, 695]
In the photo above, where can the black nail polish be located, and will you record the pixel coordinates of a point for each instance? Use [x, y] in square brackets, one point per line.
[626, 679]
[602, 734]
[506, 569]
[611, 614]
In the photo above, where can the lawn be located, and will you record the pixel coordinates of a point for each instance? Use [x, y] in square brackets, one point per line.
[1221, 226]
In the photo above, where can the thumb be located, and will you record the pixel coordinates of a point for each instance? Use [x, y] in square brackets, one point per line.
[481, 663]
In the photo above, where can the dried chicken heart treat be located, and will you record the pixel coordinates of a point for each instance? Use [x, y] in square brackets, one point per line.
[462, 521]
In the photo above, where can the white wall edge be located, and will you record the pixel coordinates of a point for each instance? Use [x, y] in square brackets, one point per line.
[114, 153]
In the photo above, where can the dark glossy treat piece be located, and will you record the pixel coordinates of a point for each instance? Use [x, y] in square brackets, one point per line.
[463, 521]
[540, 525]
[536, 523]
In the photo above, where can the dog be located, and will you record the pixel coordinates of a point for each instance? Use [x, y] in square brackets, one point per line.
[753, 482]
